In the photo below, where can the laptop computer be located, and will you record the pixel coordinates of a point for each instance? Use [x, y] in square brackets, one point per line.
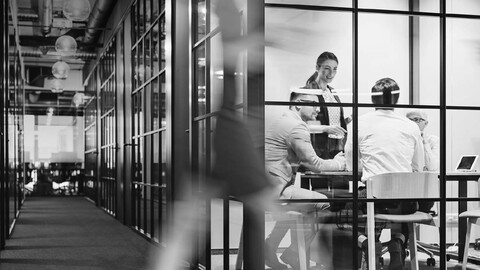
[467, 163]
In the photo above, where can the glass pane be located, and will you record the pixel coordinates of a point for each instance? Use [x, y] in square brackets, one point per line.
[201, 19]
[200, 81]
[235, 227]
[156, 168]
[134, 65]
[156, 104]
[161, 52]
[290, 63]
[156, 214]
[463, 7]
[164, 158]
[148, 14]
[141, 18]
[163, 116]
[461, 139]
[337, 3]
[148, 58]
[420, 5]
[389, 56]
[134, 22]
[155, 9]
[155, 49]
[216, 74]
[463, 66]
[216, 235]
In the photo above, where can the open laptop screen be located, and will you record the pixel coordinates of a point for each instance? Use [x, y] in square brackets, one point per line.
[467, 163]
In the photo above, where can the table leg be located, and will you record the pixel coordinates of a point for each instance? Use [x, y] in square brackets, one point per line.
[305, 182]
[462, 222]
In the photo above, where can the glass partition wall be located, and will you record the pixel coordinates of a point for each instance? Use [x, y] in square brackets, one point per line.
[108, 139]
[427, 47]
[149, 129]
[11, 126]
[219, 234]
[91, 142]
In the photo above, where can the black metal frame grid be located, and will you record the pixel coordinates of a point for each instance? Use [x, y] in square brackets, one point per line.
[149, 184]
[442, 106]
[107, 95]
[91, 142]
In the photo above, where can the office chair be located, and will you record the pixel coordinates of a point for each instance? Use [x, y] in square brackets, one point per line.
[404, 185]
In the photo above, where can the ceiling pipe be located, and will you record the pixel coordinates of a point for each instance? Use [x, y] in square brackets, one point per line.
[27, 17]
[45, 13]
[35, 52]
[98, 19]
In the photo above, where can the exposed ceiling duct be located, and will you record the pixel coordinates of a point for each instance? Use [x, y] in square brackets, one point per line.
[45, 10]
[98, 19]
[27, 17]
[37, 52]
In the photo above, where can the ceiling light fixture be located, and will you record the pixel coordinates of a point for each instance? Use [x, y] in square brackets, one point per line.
[57, 86]
[60, 70]
[66, 45]
[78, 99]
[76, 10]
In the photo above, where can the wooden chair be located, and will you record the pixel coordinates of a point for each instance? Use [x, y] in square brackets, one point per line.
[400, 186]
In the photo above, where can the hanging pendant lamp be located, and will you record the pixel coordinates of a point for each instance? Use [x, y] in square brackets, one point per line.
[76, 10]
[66, 45]
[60, 70]
[57, 86]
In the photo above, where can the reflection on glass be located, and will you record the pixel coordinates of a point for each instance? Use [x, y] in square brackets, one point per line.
[163, 115]
[203, 140]
[148, 59]
[201, 19]
[141, 18]
[148, 14]
[155, 48]
[134, 65]
[463, 64]
[155, 104]
[200, 81]
[162, 43]
[155, 10]
[216, 74]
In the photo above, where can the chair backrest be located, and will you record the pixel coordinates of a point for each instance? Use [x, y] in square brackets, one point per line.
[404, 185]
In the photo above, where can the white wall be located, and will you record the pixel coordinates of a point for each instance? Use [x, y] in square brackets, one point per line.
[55, 139]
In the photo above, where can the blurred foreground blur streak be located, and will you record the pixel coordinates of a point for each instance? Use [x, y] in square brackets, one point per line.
[239, 168]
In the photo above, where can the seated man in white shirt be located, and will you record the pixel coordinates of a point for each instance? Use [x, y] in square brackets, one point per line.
[388, 142]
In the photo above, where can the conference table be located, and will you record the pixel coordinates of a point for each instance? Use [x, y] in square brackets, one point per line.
[462, 178]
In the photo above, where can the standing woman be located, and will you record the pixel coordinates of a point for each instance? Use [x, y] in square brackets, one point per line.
[328, 136]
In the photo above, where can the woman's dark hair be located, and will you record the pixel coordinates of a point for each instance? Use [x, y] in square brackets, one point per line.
[385, 91]
[322, 58]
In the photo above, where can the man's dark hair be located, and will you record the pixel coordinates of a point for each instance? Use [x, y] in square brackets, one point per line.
[385, 92]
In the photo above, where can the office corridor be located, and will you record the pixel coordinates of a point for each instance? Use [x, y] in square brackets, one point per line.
[71, 233]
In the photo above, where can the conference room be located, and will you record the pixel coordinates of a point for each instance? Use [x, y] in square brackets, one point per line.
[324, 50]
